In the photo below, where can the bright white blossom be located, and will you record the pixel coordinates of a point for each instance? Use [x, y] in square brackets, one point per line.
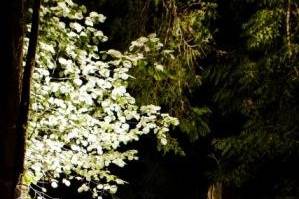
[81, 111]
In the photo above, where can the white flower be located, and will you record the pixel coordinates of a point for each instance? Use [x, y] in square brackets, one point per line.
[76, 26]
[78, 82]
[100, 186]
[113, 189]
[114, 53]
[66, 182]
[118, 91]
[64, 89]
[159, 67]
[72, 34]
[88, 21]
[62, 61]
[54, 184]
[163, 141]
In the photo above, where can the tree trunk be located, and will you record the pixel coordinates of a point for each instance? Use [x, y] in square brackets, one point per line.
[215, 191]
[11, 45]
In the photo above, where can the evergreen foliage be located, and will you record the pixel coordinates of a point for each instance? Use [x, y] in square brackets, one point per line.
[232, 59]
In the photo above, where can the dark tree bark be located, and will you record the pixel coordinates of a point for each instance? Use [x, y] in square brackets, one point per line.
[11, 45]
[25, 94]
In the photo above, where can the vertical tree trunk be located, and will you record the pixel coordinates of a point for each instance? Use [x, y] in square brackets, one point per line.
[22, 121]
[288, 25]
[215, 191]
[11, 43]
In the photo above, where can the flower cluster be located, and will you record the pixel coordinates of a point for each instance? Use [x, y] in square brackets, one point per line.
[81, 112]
